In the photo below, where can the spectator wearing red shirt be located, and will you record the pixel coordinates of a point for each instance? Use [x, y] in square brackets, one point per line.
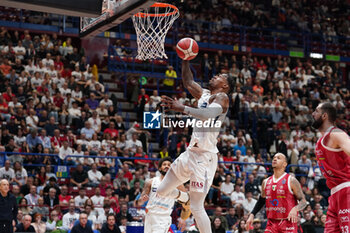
[64, 198]
[140, 162]
[103, 186]
[56, 139]
[143, 95]
[4, 109]
[182, 145]
[66, 73]
[58, 100]
[58, 64]
[127, 173]
[113, 200]
[283, 123]
[111, 130]
[8, 95]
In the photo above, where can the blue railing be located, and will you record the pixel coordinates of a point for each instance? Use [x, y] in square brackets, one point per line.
[117, 159]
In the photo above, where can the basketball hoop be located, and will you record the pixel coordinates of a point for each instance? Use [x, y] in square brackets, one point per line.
[151, 27]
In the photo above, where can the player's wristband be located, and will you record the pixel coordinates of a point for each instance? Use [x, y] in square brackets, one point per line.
[259, 204]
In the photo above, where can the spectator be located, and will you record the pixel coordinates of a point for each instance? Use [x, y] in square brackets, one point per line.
[69, 218]
[256, 226]
[25, 225]
[87, 130]
[218, 214]
[54, 223]
[217, 226]
[32, 197]
[240, 146]
[241, 227]
[98, 201]
[237, 196]
[252, 186]
[81, 198]
[170, 75]
[38, 224]
[51, 199]
[304, 161]
[133, 143]
[7, 172]
[226, 189]
[64, 151]
[124, 213]
[110, 226]
[21, 175]
[82, 227]
[52, 182]
[231, 218]
[64, 198]
[248, 203]
[32, 139]
[94, 175]
[79, 177]
[40, 208]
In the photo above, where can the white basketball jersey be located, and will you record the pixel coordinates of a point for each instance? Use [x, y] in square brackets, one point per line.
[156, 204]
[206, 138]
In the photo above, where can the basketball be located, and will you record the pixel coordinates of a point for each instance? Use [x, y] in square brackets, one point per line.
[187, 49]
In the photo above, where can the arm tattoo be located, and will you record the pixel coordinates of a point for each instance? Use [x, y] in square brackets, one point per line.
[298, 192]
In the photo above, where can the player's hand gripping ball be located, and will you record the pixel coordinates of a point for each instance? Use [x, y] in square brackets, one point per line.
[187, 49]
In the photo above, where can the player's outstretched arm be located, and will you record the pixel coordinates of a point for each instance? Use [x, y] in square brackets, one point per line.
[187, 79]
[219, 105]
[145, 193]
[259, 204]
[342, 140]
[298, 192]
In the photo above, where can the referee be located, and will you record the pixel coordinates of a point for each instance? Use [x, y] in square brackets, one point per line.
[8, 208]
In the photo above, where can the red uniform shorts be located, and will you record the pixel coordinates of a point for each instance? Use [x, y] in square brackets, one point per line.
[281, 226]
[338, 214]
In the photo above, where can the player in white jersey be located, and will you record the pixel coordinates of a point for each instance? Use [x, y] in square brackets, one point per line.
[158, 209]
[199, 162]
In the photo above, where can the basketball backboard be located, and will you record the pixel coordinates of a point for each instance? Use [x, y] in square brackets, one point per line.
[113, 13]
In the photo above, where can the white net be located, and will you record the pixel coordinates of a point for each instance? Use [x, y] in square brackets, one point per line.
[151, 28]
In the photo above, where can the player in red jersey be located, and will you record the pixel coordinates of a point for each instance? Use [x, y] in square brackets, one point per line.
[333, 156]
[280, 193]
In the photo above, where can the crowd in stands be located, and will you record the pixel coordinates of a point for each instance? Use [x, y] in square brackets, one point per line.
[302, 16]
[53, 102]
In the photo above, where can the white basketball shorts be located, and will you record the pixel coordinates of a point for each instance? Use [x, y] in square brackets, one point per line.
[197, 166]
[155, 223]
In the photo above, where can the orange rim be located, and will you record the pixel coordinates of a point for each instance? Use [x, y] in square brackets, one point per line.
[160, 5]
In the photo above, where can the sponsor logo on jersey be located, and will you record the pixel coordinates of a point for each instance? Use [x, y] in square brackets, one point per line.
[273, 187]
[318, 152]
[277, 209]
[344, 211]
[154, 189]
[289, 228]
[344, 219]
[274, 202]
[283, 181]
[196, 184]
[280, 191]
[281, 196]
[281, 187]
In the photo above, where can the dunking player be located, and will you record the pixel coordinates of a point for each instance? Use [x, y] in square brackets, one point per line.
[333, 156]
[199, 162]
[280, 193]
[158, 209]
